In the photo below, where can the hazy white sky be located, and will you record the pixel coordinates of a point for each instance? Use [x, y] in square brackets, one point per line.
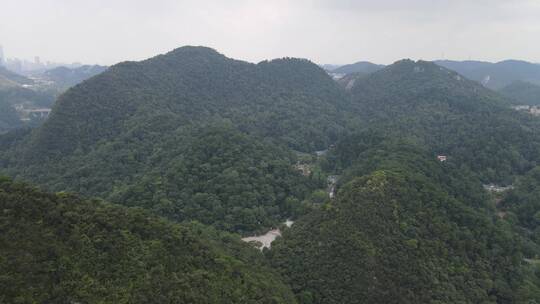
[325, 31]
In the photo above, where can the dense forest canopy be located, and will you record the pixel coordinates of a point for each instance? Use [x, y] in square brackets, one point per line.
[404, 228]
[522, 93]
[193, 84]
[58, 248]
[194, 135]
[451, 115]
[190, 134]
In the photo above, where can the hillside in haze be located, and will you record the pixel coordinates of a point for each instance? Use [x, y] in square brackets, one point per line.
[16, 92]
[64, 77]
[10, 79]
[20, 95]
[492, 75]
[361, 67]
[522, 93]
[495, 75]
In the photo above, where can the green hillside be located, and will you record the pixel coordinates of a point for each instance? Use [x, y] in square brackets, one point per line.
[192, 84]
[451, 115]
[522, 93]
[57, 248]
[404, 229]
[194, 135]
[190, 135]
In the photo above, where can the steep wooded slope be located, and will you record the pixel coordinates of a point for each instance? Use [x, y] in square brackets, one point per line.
[57, 248]
[451, 115]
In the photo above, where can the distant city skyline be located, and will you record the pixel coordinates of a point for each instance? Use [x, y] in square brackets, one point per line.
[23, 66]
[324, 31]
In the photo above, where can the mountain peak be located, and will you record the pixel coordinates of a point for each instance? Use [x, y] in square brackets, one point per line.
[412, 79]
[190, 83]
[361, 67]
[193, 50]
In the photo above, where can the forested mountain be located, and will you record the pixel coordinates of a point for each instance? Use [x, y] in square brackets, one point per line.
[361, 67]
[191, 134]
[522, 93]
[523, 202]
[194, 84]
[495, 75]
[194, 135]
[64, 77]
[57, 248]
[451, 115]
[404, 228]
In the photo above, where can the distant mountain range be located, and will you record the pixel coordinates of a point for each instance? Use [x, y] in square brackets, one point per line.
[522, 78]
[492, 75]
[495, 75]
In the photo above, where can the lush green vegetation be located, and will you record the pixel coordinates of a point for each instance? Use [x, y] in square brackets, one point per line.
[404, 229]
[214, 174]
[193, 135]
[57, 248]
[452, 116]
[190, 135]
[522, 93]
[522, 206]
[277, 99]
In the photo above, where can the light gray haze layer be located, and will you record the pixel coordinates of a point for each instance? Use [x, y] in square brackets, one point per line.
[325, 31]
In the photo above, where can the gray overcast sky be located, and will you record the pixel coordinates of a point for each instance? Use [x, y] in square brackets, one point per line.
[325, 31]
